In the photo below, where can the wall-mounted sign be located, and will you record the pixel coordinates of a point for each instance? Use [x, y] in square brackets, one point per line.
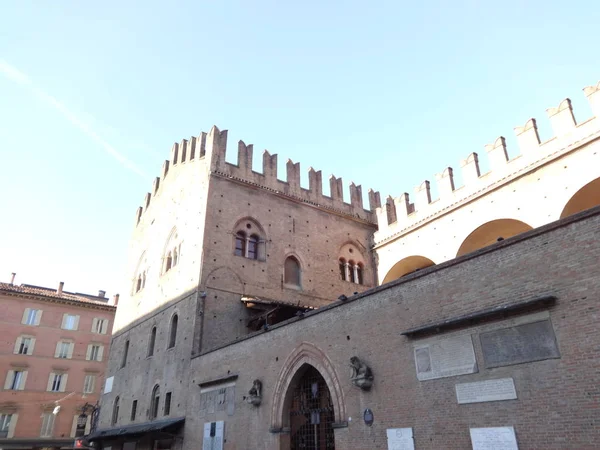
[368, 416]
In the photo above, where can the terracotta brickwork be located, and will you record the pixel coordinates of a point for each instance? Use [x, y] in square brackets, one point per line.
[253, 267]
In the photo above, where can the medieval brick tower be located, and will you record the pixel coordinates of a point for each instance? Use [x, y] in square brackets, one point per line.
[235, 276]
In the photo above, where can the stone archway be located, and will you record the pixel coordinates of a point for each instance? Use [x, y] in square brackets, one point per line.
[585, 198]
[303, 365]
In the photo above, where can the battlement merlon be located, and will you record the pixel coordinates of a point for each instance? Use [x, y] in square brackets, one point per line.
[398, 213]
[212, 148]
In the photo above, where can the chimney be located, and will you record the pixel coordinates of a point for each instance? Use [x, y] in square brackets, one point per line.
[115, 301]
[60, 288]
[12, 278]
[101, 294]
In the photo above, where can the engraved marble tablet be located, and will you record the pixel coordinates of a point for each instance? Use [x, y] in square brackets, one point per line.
[400, 439]
[498, 438]
[523, 343]
[486, 391]
[445, 358]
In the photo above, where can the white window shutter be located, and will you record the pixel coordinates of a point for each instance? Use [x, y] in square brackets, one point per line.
[9, 377]
[57, 351]
[76, 323]
[25, 315]
[207, 441]
[12, 425]
[74, 426]
[63, 382]
[17, 345]
[218, 442]
[88, 354]
[70, 351]
[104, 326]
[21, 386]
[100, 352]
[50, 380]
[30, 351]
[94, 323]
[38, 316]
[64, 321]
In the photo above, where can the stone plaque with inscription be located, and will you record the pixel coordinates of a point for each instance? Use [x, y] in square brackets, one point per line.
[497, 438]
[523, 343]
[486, 391]
[445, 358]
[400, 439]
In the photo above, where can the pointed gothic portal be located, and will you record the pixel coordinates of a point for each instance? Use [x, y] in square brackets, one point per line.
[311, 412]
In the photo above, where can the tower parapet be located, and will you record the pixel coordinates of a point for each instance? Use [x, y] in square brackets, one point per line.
[399, 215]
[211, 148]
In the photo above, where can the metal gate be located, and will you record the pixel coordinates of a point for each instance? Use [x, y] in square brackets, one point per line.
[311, 414]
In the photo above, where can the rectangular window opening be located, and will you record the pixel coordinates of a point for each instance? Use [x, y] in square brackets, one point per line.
[133, 410]
[167, 404]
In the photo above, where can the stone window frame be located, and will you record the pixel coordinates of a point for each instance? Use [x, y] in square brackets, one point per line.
[154, 402]
[246, 233]
[173, 328]
[152, 342]
[300, 264]
[351, 266]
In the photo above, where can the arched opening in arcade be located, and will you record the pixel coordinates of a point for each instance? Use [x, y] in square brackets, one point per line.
[407, 266]
[309, 412]
[492, 232]
[585, 198]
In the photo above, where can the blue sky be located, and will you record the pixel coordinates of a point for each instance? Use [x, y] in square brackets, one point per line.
[385, 94]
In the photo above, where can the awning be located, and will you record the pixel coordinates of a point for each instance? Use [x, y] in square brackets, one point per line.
[136, 429]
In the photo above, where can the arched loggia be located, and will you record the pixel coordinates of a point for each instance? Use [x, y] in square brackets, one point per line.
[406, 266]
[585, 198]
[491, 232]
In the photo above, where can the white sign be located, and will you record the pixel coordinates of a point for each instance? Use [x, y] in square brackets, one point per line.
[445, 358]
[400, 439]
[486, 391]
[108, 384]
[498, 438]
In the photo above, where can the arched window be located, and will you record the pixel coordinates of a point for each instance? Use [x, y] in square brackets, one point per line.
[291, 275]
[174, 256]
[152, 341]
[168, 262]
[253, 247]
[240, 244]
[115, 414]
[138, 285]
[154, 401]
[352, 277]
[343, 268]
[173, 332]
[143, 280]
[359, 273]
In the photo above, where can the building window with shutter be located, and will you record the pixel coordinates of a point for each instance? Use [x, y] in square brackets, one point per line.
[32, 317]
[70, 322]
[57, 382]
[64, 350]
[47, 425]
[89, 383]
[95, 352]
[15, 380]
[24, 345]
[99, 326]
[7, 425]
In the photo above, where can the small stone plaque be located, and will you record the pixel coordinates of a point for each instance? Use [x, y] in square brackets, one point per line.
[486, 391]
[445, 358]
[497, 438]
[400, 439]
[519, 344]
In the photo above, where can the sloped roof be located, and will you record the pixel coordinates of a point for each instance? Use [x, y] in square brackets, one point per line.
[49, 293]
